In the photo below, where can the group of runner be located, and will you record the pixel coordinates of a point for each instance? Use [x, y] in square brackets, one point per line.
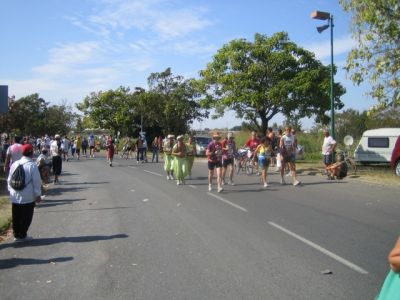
[280, 149]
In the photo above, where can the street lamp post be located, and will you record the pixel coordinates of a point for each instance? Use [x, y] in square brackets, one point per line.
[320, 15]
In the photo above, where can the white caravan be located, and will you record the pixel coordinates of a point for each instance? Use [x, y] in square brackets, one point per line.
[376, 145]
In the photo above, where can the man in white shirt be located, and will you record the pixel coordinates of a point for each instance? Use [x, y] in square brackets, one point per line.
[328, 148]
[23, 201]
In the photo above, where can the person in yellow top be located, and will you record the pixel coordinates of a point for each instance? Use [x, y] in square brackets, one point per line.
[168, 159]
[264, 151]
[190, 154]
[180, 163]
[78, 142]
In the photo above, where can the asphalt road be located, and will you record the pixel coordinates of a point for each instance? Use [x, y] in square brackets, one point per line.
[127, 233]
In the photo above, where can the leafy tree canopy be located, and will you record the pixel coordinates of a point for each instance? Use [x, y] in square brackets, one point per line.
[32, 115]
[271, 75]
[376, 27]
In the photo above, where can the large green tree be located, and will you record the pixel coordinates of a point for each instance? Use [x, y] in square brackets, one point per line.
[113, 109]
[261, 79]
[177, 100]
[376, 58]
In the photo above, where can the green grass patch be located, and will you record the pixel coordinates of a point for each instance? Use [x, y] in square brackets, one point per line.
[5, 213]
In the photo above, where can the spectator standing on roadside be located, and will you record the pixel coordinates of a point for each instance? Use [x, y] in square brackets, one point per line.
[23, 201]
[14, 153]
[328, 148]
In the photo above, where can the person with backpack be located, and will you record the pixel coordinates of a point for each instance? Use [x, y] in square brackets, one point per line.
[24, 186]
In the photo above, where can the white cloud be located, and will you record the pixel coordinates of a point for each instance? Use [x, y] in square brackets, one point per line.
[159, 16]
[341, 45]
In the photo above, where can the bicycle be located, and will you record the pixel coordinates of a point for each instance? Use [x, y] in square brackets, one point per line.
[243, 161]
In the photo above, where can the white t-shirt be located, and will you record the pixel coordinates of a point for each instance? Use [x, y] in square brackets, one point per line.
[327, 145]
[54, 149]
[288, 142]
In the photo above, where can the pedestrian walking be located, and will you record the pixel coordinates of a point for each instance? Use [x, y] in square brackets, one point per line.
[190, 154]
[110, 150]
[23, 201]
[180, 163]
[228, 157]
[55, 152]
[168, 159]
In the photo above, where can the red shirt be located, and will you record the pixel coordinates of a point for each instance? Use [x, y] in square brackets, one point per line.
[253, 143]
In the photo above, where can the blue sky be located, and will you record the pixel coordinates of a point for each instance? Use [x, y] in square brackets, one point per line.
[64, 50]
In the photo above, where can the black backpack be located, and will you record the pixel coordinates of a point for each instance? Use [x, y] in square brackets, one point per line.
[18, 178]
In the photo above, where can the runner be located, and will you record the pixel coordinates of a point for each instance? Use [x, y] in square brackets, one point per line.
[91, 142]
[110, 150]
[264, 151]
[168, 161]
[252, 144]
[180, 162]
[288, 152]
[190, 154]
[214, 154]
[229, 149]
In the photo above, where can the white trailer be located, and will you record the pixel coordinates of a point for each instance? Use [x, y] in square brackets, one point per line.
[376, 145]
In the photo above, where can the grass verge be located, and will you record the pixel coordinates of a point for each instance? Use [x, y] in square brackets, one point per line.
[5, 214]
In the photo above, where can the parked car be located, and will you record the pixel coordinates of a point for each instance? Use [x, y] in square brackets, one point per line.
[377, 145]
[395, 160]
[201, 144]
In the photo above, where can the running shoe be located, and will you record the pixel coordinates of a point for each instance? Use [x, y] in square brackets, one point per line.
[296, 183]
[220, 189]
[230, 182]
[283, 181]
[209, 188]
[265, 185]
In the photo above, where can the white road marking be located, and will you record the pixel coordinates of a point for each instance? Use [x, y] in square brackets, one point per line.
[145, 200]
[321, 249]
[228, 202]
[154, 173]
[132, 190]
[193, 186]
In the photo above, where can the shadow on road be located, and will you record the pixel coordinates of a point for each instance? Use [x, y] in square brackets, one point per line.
[15, 262]
[77, 183]
[57, 240]
[49, 203]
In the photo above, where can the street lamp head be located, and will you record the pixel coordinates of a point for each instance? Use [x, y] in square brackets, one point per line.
[320, 15]
[322, 28]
